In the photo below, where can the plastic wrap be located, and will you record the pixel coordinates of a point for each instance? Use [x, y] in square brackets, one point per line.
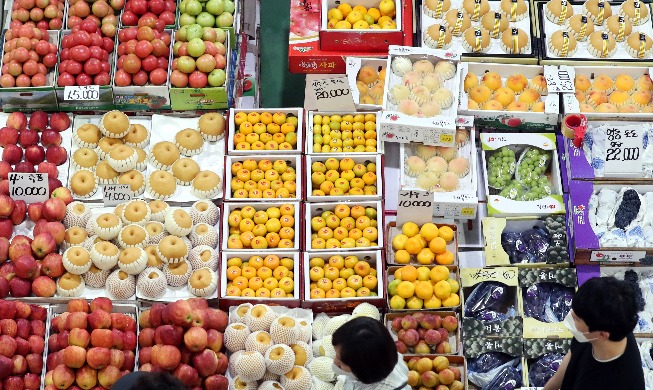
[547, 302]
[493, 369]
[542, 369]
[501, 167]
[533, 163]
[529, 246]
[486, 297]
[508, 378]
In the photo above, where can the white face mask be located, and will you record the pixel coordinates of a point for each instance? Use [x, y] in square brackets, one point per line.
[578, 335]
[339, 371]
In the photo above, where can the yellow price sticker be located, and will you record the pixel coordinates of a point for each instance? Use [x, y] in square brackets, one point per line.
[467, 211]
[446, 138]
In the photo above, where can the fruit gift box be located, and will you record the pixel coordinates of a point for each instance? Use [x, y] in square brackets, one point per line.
[90, 344]
[493, 362]
[429, 244]
[522, 174]
[17, 88]
[365, 74]
[440, 372]
[505, 97]
[611, 223]
[338, 281]
[354, 177]
[541, 359]
[223, 14]
[428, 287]
[200, 68]
[426, 332]
[351, 226]
[347, 27]
[137, 86]
[260, 178]
[329, 133]
[284, 125]
[420, 96]
[493, 31]
[85, 58]
[526, 241]
[261, 225]
[268, 277]
[609, 93]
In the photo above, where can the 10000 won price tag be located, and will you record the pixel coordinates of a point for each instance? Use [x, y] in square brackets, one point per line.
[30, 187]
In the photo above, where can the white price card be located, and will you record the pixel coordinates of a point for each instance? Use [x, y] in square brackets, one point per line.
[333, 94]
[617, 256]
[414, 206]
[30, 187]
[115, 194]
[560, 79]
[624, 149]
[81, 92]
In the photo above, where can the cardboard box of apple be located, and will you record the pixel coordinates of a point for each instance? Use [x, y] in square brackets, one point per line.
[85, 56]
[30, 54]
[152, 13]
[143, 55]
[43, 14]
[90, 345]
[21, 345]
[101, 12]
[199, 57]
[212, 13]
[185, 338]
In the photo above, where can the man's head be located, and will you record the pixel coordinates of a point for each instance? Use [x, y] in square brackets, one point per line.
[605, 309]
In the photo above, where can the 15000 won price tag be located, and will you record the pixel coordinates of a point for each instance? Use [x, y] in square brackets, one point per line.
[85, 92]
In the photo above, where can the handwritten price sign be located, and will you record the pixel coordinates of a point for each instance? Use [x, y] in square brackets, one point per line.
[560, 79]
[86, 92]
[30, 187]
[414, 206]
[624, 151]
[333, 94]
[114, 195]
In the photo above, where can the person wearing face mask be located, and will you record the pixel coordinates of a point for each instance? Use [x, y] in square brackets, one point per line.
[366, 354]
[603, 353]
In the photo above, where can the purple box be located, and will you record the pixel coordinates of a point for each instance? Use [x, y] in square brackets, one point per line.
[577, 165]
[562, 156]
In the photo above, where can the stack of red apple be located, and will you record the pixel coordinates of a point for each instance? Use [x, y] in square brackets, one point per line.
[199, 57]
[102, 13]
[44, 14]
[20, 139]
[185, 338]
[33, 263]
[153, 13]
[89, 349]
[28, 57]
[85, 56]
[21, 345]
[143, 56]
[425, 333]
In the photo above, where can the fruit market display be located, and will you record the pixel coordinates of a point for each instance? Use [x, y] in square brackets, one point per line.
[260, 227]
[85, 56]
[342, 277]
[265, 131]
[44, 15]
[345, 226]
[185, 338]
[90, 344]
[143, 54]
[434, 373]
[22, 344]
[516, 93]
[343, 177]
[357, 17]
[270, 276]
[106, 11]
[425, 245]
[199, 57]
[425, 333]
[212, 13]
[604, 93]
[414, 288]
[345, 133]
[269, 177]
[30, 54]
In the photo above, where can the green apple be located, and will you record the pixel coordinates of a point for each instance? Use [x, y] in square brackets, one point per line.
[229, 6]
[224, 20]
[215, 7]
[205, 19]
[186, 64]
[217, 77]
[196, 47]
[182, 6]
[185, 20]
[193, 7]
[194, 31]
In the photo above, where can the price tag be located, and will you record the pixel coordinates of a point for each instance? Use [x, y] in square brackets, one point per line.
[114, 195]
[414, 206]
[83, 92]
[624, 151]
[30, 187]
[333, 94]
[618, 256]
[560, 79]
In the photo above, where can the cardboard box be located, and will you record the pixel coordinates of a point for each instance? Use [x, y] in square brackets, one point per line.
[534, 348]
[564, 161]
[340, 305]
[304, 52]
[297, 112]
[31, 98]
[476, 346]
[399, 127]
[555, 225]
[453, 274]
[510, 120]
[258, 206]
[231, 31]
[291, 161]
[534, 328]
[359, 158]
[145, 97]
[586, 242]
[227, 301]
[354, 64]
[370, 40]
[310, 133]
[105, 100]
[455, 339]
[316, 209]
[503, 206]
[454, 361]
[392, 230]
[461, 203]
[572, 106]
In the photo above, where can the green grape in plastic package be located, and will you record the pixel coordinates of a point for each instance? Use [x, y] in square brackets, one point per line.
[514, 190]
[541, 188]
[501, 167]
[532, 165]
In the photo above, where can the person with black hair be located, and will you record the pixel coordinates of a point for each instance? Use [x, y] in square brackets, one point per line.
[603, 353]
[142, 380]
[366, 354]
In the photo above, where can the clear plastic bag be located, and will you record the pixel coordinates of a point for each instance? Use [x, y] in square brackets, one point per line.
[532, 164]
[501, 167]
[540, 371]
[507, 376]
[486, 296]
[482, 369]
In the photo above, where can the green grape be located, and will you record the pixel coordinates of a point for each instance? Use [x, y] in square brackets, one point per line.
[514, 190]
[501, 167]
[534, 162]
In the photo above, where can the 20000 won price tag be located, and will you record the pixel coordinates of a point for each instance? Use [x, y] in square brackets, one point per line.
[84, 92]
[30, 187]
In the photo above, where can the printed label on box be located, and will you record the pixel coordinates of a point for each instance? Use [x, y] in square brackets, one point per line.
[617, 256]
